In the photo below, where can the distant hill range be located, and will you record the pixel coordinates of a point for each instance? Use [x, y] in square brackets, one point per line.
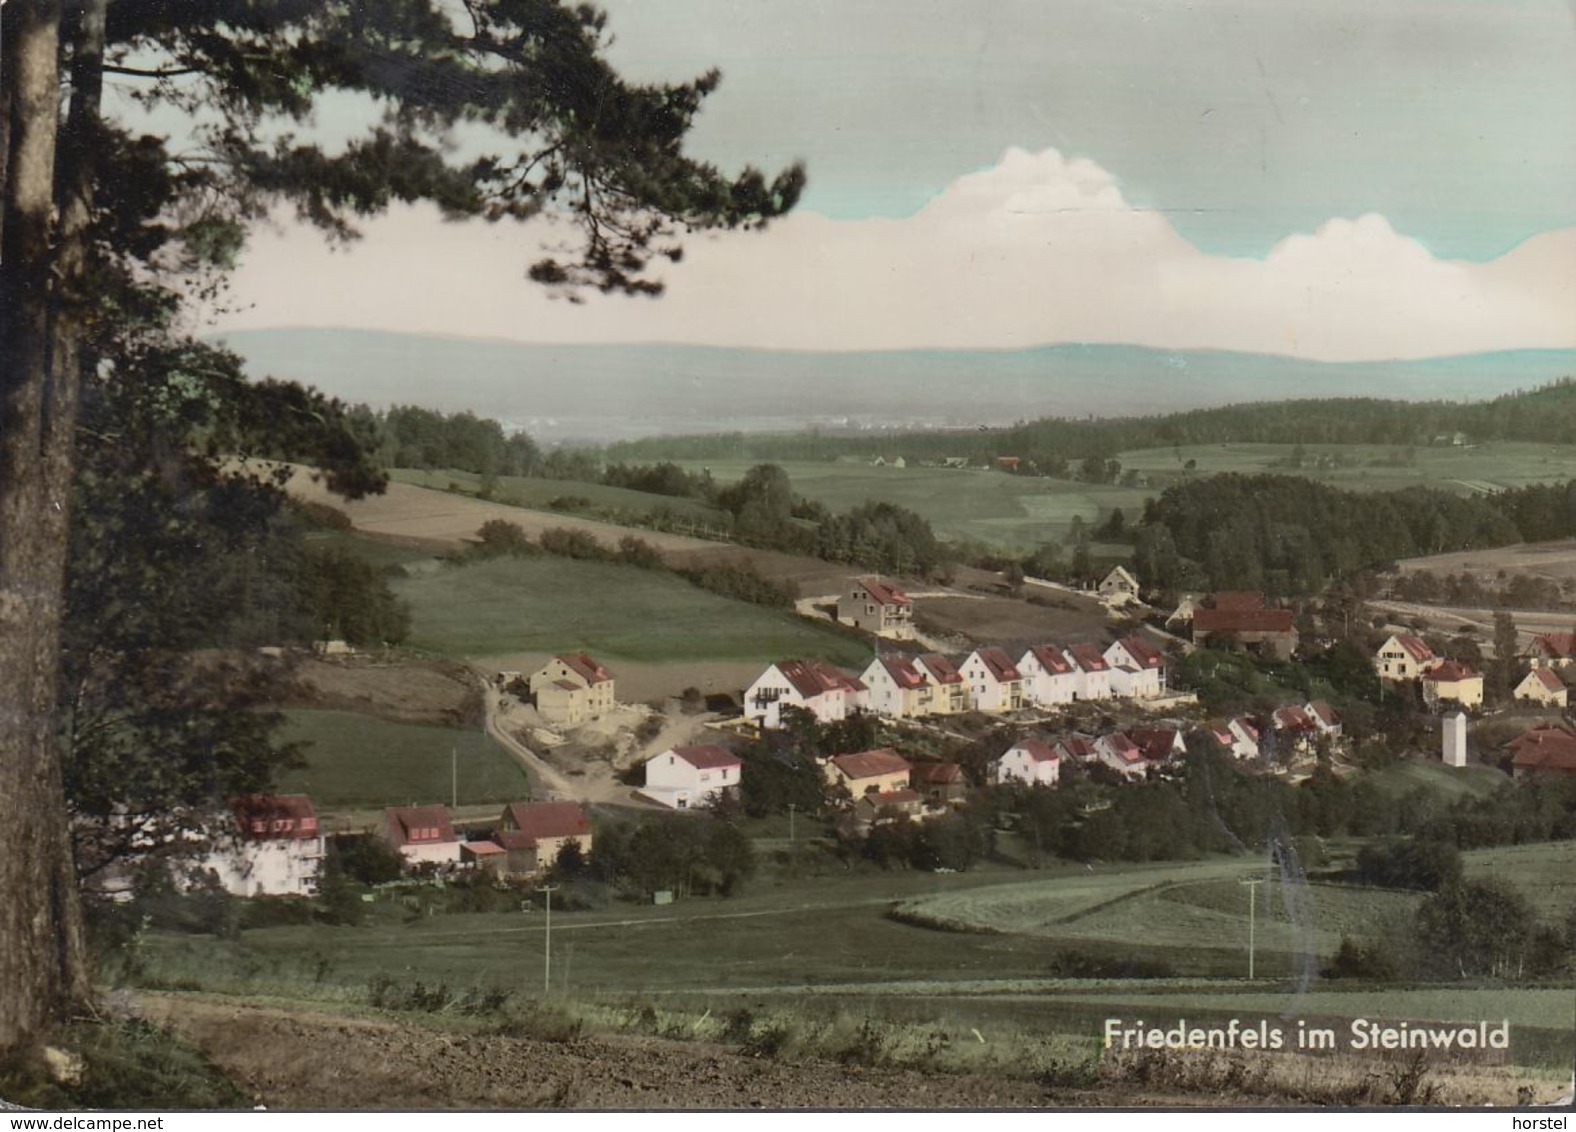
[608, 393]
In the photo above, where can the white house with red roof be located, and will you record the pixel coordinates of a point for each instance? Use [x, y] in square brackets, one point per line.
[995, 684]
[683, 778]
[1325, 718]
[1404, 657]
[423, 835]
[1543, 750]
[1158, 744]
[1094, 671]
[827, 693]
[1118, 586]
[1542, 685]
[1077, 749]
[898, 688]
[1122, 755]
[1452, 681]
[534, 833]
[869, 772]
[952, 691]
[1246, 737]
[270, 845]
[1138, 668]
[1049, 677]
[1552, 650]
[571, 689]
[1030, 761]
[876, 607]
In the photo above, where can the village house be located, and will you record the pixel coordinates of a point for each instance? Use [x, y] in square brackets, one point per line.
[1450, 681]
[889, 462]
[1246, 736]
[534, 833]
[889, 805]
[995, 684]
[1122, 755]
[423, 835]
[1241, 616]
[1033, 762]
[1295, 729]
[487, 855]
[1404, 657]
[873, 606]
[683, 778]
[1552, 650]
[1542, 685]
[1325, 718]
[940, 783]
[1138, 669]
[1049, 677]
[1543, 750]
[868, 772]
[571, 689]
[1077, 749]
[1158, 745]
[270, 845]
[1094, 672]
[825, 692]
[1119, 586]
[898, 689]
[952, 691]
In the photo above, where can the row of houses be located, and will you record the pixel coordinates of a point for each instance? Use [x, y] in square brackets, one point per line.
[987, 680]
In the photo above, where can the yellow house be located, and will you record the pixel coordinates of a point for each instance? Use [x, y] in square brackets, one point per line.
[571, 689]
[1452, 680]
[1542, 686]
[869, 772]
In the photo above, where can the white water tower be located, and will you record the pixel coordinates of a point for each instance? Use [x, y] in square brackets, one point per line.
[1455, 727]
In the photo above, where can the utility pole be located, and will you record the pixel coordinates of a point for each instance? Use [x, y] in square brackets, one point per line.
[792, 806]
[1253, 892]
[454, 777]
[547, 938]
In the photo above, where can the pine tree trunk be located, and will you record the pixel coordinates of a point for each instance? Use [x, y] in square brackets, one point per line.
[43, 967]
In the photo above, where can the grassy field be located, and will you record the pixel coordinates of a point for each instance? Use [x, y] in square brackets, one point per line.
[363, 762]
[1474, 469]
[613, 611]
[530, 491]
[1545, 874]
[1450, 782]
[1015, 512]
[377, 552]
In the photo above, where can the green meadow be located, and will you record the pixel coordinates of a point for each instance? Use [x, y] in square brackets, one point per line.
[364, 762]
[539, 494]
[611, 610]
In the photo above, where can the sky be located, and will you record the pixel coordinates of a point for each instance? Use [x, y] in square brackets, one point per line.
[1330, 179]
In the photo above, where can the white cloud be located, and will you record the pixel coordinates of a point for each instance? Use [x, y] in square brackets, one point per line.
[1038, 249]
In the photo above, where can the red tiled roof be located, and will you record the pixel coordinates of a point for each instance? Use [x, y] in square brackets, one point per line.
[584, 667]
[902, 671]
[1122, 747]
[1449, 672]
[1248, 726]
[871, 764]
[1088, 657]
[1037, 750]
[883, 593]
[1156, 744]
[513, 839]
[1293, 719]
[1545, 748]
[936, 774]
[1548, 678]
[1556, 644]
[403, 820]
[812, 678]
[1242, 621]
[541, 820]
[482, 848]
[707, 757]
[1416, 646]
[283, 817]
[1238, 600]
[1077, 747]
[942, 670]
[1051, 658]
[1142, 651]
[998, 664]
[1324, 713]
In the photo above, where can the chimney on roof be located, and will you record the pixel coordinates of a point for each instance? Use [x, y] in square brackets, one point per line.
[1455, 739]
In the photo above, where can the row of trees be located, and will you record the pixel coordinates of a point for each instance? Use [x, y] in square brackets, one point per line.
[1290, 535]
